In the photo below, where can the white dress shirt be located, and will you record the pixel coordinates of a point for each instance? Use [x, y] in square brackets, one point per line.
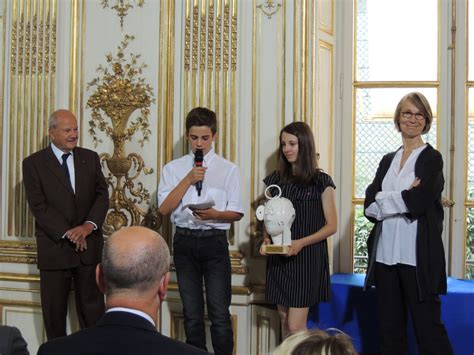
[397, 243]
[70, 164]
[58, 153]
[134, 311]
[221, 185]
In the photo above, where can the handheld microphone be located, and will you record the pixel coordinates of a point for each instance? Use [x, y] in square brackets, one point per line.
[198, 159]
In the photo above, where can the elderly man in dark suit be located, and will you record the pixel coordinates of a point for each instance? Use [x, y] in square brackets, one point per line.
[68, 196]
[134, 277]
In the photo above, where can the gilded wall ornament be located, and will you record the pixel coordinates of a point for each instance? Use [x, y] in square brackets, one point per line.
[122, 7]
[119, 92]
[269, 8]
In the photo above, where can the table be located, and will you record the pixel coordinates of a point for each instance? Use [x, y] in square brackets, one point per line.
[353, 311]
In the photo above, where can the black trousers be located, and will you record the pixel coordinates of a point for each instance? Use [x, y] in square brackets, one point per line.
[55, 286]
[204, 256]
[397, 294]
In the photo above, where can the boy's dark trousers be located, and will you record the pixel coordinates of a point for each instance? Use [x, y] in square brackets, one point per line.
[204, 255]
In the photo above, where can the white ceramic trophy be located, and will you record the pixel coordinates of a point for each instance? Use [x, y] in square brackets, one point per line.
[278, 215]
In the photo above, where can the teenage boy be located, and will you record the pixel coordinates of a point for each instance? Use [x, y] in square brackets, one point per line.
[203, 199]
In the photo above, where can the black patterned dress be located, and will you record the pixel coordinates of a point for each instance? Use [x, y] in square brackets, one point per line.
[302, 280]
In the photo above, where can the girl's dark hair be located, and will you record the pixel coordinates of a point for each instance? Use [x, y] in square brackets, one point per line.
[306, 165]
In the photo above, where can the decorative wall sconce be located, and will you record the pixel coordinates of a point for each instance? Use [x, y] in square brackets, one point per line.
[122, 7]
[269, 8]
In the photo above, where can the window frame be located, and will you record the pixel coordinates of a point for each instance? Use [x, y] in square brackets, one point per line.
[452, 88]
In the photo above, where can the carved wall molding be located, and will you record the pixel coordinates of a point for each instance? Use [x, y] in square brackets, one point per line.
[31, 76]
[10, 276]
[269, 8]
[18, 252]
[122, 7]
[236, 258]
[210, 57]
[18, 259]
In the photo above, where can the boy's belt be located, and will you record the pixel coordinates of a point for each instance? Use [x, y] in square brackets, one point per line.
[200, 232]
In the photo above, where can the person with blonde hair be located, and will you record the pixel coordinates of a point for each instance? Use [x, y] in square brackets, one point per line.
[316, 342]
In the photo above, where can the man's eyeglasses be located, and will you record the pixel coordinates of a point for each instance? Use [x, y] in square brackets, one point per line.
[407, 115]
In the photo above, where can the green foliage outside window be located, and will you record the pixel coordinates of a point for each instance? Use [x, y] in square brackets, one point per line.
[470, 244]
[362, 228]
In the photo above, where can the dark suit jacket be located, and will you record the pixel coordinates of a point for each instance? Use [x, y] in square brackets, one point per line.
[11, 341]
[57, 208]
[118, 333]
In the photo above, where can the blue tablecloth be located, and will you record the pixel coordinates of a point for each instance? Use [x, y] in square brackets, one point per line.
[354, 312]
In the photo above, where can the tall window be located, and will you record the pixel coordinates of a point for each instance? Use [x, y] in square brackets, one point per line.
[396, 52]
[401, 46]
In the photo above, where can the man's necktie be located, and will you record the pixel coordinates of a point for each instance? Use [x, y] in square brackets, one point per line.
[65, 168]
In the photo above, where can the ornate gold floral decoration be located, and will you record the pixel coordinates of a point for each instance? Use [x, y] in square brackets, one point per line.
[122, 7]
[120, 91]
[269, 8]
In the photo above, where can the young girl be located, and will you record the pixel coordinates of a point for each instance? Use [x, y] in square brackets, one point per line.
[301, 279]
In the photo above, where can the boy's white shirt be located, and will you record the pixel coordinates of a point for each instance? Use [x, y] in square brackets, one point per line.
[221, 185]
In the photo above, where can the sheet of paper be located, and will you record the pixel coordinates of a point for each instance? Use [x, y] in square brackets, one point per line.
[200, 206]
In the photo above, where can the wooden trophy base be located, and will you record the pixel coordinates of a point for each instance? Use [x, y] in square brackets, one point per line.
[276, 249]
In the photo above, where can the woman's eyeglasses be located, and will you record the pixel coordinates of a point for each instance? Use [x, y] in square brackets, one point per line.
[407, 115]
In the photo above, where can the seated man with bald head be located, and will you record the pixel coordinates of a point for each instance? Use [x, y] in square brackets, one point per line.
[134, 277]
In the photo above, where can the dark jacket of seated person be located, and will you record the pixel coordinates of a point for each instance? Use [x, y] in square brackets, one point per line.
[11, 341]
[118, 333]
